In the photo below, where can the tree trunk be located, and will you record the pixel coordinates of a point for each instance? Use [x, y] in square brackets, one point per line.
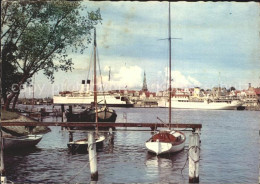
[8, 101]
[15, 100]
[13, 93]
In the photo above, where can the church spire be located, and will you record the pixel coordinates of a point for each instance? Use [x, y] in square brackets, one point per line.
[144, 84]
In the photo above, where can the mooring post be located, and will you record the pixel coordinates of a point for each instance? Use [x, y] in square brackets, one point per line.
[70, 136]
[63, 115]
[2, 167]
[70, 109]
[3, 180]
[92, 156]
[111, 135]
[194, 157]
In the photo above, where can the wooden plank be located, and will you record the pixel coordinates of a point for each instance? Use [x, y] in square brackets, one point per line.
[109, 124]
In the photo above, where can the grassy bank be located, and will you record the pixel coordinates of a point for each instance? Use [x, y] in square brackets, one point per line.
[7, 115]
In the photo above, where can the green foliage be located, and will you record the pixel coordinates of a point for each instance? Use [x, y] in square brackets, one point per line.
[10, 74]
[44, 33]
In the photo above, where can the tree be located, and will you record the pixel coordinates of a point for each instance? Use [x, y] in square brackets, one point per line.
[232, 88]
[40, 35]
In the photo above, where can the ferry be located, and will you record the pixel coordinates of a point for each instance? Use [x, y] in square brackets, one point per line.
[208, 104]
[85, 97]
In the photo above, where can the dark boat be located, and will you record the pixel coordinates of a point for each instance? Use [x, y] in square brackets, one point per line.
[103, 114]
[81, 146]
[88, 115]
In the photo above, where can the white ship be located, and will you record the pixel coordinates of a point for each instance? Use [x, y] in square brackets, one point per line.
[186, 103]
[85, 97]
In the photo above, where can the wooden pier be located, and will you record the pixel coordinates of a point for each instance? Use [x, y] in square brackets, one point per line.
[107, 124]
[194, 140]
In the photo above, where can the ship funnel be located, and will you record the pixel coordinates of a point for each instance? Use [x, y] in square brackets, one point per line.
[82, 89]
[88, 85]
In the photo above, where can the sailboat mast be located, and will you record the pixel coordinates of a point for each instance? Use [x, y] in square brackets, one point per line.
[95, 76]
[170, 77]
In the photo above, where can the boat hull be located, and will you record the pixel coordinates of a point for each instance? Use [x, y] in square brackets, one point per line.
[111, 101]
[81, 146]
[159, 145]
[21, 142]
[201, 105]
[160, 148]
[90, 115]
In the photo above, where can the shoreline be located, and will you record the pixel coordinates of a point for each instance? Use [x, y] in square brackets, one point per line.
[20, 131]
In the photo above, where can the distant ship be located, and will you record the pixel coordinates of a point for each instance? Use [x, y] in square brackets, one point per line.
[85, 97]
[209, 104]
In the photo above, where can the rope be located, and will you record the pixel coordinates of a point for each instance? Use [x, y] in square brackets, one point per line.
[90, 64]
[73, 177]
[188, 156]
[101, 78]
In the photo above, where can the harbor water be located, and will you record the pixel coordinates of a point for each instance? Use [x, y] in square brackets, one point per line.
[229, 152]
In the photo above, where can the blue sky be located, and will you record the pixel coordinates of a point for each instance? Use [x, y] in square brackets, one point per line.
[219, 44]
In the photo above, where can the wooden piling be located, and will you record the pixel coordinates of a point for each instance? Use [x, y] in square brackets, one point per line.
[3, 180]
[70, 109]
[70, 136]
[194, 157]
[2, 167]
[63, 115]
[92, 156]
[111, 135]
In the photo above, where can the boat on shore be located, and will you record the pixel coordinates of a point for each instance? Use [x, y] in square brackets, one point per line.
[14, 142]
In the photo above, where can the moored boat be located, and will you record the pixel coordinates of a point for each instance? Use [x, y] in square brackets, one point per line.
[21, 142]
[169, 141]
[105, 114]
[179, 103]
[94, 113]
[81, 146]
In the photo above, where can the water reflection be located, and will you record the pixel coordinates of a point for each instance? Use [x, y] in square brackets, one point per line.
[163, 161]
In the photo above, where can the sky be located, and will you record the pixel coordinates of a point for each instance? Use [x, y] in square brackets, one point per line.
[218, 45]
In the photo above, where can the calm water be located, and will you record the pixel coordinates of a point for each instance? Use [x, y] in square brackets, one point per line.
[229, 152]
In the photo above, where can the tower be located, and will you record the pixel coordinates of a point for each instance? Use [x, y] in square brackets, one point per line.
[144, 84]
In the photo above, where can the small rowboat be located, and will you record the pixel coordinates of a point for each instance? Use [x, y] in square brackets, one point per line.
[81, 146]
[168, 141]
[21, 142]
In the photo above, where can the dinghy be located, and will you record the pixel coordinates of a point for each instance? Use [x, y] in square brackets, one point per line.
[21, 142]
[81, 146]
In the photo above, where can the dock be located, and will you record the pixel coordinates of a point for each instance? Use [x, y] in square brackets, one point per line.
[153, 126]
[194, 140]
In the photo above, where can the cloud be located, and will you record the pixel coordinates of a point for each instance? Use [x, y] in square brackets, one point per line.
[129, 77]
[181, 81]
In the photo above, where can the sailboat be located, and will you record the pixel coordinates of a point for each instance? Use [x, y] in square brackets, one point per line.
[104, 114]
[167, 141]
[95, 114]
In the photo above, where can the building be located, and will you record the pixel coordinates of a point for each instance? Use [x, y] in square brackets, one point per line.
[144, 84]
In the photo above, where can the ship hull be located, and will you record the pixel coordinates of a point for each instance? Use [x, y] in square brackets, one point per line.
[89, 115]
[202, 105]
[111, 101]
